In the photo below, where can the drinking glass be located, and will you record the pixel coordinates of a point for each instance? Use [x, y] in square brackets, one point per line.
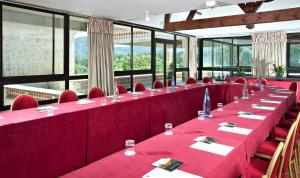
[151, 92]
[252, 92]
[50, 111]
[168, 129]
[186, 86]
[103, 101]
[200, 114]
[236, 99]
[129, 145]
[220, 106]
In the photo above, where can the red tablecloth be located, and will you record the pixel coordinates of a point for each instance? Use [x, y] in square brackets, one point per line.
[37, 145]
[197, 162]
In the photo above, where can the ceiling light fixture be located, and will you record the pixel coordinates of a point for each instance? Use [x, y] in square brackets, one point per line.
[147, 16]
[212, 3]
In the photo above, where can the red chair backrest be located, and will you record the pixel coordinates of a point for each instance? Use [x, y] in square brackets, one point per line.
[191, 81]
[227, 79]
[67, 96]
[157, 84]
[294, 87]
[240, 80]
[264, 81]
[23, 102]
[169, 82]
[206, 80]
[121, 89]
[139, 87]
[95, 92]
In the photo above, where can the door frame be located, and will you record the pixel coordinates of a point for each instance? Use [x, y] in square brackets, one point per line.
[164, 42]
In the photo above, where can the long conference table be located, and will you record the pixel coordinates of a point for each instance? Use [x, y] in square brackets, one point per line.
[34, 144]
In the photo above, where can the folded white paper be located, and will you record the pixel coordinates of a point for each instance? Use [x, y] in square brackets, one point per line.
[45, 108]
[269, 101]
[285, 92]
[237, 130]
[283, 89]
[215, 148]
[277, 96]
[257, 117]
[85, 101]
[161, 173]
[264, 108]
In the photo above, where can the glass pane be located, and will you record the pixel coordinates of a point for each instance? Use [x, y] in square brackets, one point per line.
[122, 48]
[79, 86]
[245, 55]
[217, 75]
[27, 42]
[181, 77]
[40, 91]
[226, 74]
[78, 52]
[206, 73]
[124, 80]
[159, 59]
[59, 44]
[207, 53]
[163, 35]
[217, 55]
[294, 55]
[141, 49]
[182, 44]
[169, 62]
[235, 56]
[226, 55]
[145, 79]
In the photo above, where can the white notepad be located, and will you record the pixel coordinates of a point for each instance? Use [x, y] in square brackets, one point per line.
[45, 108]
[237, 130]
[215, 148]
[270, 101]
[285, 92]
[264, 108]
[257, 117]
[277, 96]
[161, 173]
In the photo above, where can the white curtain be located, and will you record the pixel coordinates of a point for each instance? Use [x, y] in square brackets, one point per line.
[100, 36]
[193, 57]
[268, 49]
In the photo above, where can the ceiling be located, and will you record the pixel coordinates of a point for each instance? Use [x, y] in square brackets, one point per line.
[124, 9]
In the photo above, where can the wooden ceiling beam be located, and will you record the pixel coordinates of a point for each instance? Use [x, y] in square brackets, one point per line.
[250, 7]
[244, 19]
[167, 18]
[191, 15]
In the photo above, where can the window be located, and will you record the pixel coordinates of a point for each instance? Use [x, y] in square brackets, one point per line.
[207, 53]
[218, 55]
[182, 52]
[122, 48]
[245, 55]
[78, 50]
[41, 91]
[32, 40]
[293, 65]
[141, 49]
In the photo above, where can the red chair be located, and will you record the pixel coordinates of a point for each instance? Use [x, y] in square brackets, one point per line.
[157, 84]
[139, 87]
[264, 81]
[260, 167]
[67, 96]
[240, 80]
[95, 92]
[121, 89]
[207, 80]
[191, 81]
[267, 149]
[169, 82]
[228, 79]
[294, 87]
[23, 102]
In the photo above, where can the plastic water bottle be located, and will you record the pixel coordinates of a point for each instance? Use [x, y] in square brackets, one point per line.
[260, 84]
[173, 88]
[206, 104]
